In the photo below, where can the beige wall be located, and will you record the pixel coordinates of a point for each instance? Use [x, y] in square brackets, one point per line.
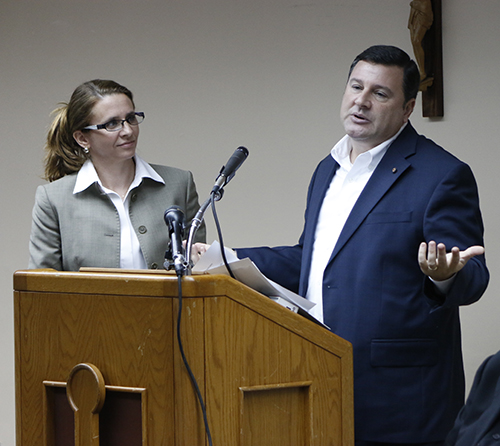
[215, 74]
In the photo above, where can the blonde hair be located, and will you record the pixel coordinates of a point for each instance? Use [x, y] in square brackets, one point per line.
[63, 155]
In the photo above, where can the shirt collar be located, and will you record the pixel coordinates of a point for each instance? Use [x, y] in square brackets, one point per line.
[87, 175]
[342, 150]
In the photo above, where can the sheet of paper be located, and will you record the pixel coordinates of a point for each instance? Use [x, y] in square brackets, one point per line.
[246, 271]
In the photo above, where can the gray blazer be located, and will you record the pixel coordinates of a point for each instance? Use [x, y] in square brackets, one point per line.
[70, 231]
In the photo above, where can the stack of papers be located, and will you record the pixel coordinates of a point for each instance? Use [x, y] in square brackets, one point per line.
[245, 271]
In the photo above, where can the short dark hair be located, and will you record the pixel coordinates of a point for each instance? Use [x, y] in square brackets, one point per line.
[393, 56]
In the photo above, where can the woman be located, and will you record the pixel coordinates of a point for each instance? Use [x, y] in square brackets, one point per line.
[103, 205]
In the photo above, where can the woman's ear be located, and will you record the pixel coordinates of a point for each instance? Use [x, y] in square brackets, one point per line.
[81, 139]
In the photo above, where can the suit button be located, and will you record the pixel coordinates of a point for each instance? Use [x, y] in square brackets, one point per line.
[154, 265]
[496, 436]
[134, 197]
[143, 229]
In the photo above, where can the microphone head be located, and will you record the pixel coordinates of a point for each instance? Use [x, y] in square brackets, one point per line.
[174, 215]
[228, 171]
[234, 163]
[243, 150]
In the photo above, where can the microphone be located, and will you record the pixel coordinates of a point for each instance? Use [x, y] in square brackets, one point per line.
[227, 172]
[174, 218]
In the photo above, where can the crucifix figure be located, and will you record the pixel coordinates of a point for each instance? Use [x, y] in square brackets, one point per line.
[421, 18]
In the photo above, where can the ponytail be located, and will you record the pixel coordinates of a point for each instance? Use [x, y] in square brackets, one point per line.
[63, 155]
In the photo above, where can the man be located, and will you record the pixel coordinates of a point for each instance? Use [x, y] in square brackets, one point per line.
[382, 209]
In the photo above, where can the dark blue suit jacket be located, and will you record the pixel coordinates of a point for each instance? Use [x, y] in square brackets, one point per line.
[478, 423]
[408, 371]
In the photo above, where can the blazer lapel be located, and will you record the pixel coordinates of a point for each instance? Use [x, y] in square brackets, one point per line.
[322, 181]
[390, 168]
[317, 190]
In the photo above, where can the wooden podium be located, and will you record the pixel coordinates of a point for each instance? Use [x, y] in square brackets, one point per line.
[97, 362]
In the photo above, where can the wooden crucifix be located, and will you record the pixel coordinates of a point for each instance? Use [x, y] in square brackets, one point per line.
[426, 38]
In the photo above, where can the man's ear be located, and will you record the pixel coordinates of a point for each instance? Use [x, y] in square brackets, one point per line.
[409, 106]
[81, 138]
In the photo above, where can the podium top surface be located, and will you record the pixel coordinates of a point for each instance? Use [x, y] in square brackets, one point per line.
[154, 283]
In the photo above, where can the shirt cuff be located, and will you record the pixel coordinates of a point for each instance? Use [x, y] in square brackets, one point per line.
[443, 285]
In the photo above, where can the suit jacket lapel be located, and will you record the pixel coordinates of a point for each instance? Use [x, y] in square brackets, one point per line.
[317, 190]
[390, 168]
[322, 181]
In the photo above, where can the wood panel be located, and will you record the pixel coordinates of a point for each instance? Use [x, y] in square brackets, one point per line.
[279, 413]
[130, 340]
[260, 353]
[122, 419]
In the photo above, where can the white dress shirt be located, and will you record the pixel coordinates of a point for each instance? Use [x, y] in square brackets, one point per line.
[344, 190]
[131, 256]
